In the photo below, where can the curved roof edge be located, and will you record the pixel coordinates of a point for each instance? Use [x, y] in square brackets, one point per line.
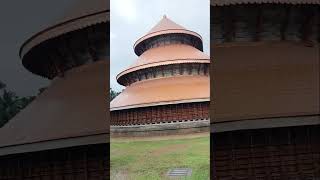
[166, 31]
[169, 90]
[237, 2]
[55, 144]
[269, 122]
[161, 63]
[161, 103]
[63, 28]
[165, 26]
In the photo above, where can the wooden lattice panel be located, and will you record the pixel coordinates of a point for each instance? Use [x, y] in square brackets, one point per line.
[160, 114]
[77, 163]
[280, 153]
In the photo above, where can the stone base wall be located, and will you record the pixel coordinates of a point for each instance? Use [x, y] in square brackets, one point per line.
[162, 129]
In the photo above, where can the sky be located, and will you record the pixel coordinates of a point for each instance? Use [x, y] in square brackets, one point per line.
[19, 21]
[131, 19]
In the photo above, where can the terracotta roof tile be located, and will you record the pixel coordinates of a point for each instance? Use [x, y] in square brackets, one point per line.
[163, 91]
[56, 113]
[165, 26]
[164, 55]
[85, 13]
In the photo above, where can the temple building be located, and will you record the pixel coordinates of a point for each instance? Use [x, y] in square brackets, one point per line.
[167, 86]
[64, 132]
[265, 113]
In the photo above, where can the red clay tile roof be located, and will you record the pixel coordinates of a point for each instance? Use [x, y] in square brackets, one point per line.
[165, 26]
[86, 13]
[72, 107]
[163, 91]
[164, 55]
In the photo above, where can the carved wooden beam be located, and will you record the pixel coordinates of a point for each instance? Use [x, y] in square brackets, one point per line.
[258, 23]
[162, 70]
[228, 24]
[190, 69]
[154, 71]
[90, 45]
[181, 69]
[172, 69]
[306, 25]
[284, 25]
[317, 20]
[199, 68]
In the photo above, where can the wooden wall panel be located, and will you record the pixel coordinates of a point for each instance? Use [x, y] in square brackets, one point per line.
[279, 153]
[157, 114]
[81, 163]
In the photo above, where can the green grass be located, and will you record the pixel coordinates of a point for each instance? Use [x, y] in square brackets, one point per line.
[150, 160]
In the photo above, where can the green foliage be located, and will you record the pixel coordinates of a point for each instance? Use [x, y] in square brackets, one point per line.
[113, 94]
[144, 160]
[10, 104]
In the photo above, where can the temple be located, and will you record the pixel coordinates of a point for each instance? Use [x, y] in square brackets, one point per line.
[265, 113]
[64, 132]
[167, 85]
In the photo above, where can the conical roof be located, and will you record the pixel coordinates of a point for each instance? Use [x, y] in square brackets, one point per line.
[165, 26]
[82, 13]
[165, 90]
[62, 116]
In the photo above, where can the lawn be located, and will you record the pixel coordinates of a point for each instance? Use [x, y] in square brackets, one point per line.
[150, 159]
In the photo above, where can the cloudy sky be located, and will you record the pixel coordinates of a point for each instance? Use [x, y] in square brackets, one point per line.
[19, 21]
[131, 19]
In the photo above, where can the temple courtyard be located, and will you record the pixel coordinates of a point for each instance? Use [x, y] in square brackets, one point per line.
[145, 158]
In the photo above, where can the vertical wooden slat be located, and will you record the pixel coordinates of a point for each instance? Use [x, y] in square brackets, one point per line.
[271, 160]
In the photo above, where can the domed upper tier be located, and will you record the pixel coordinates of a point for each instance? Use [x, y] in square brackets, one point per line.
[164, 30]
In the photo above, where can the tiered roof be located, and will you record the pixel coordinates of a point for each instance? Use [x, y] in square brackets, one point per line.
[164, 90]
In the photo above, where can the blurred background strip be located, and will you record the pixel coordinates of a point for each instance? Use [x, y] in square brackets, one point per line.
[264, 109]
[64, 132]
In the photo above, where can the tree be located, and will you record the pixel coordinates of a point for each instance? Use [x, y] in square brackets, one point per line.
[2, 85]
[41, 90]
[10, 104]
[113, 94]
